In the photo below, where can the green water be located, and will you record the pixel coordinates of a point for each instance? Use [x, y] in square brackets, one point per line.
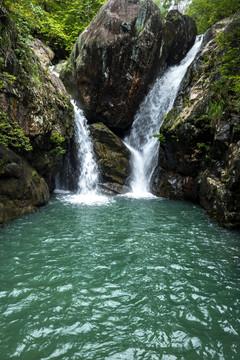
[129, 279]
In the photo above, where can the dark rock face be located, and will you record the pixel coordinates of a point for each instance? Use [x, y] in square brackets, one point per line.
[22, 190]
[113, 157]
[200, 152]
[36, 120]
[114, 61]
[185, 31]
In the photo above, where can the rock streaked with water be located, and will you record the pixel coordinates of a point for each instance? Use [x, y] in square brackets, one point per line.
[114, 60]
[198, 150]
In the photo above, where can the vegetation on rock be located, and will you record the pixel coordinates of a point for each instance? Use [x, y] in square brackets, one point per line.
[199, 156]
[36, 120]
[207, 13]
[58, 23]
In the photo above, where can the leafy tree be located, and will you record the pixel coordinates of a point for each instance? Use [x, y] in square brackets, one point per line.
[58, 22]
[206, 12]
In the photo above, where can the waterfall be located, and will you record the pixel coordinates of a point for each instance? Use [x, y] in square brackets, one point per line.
[87, 182]
[148, 120]
[88, 172]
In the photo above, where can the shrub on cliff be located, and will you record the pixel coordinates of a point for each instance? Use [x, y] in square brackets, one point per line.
[207, 13]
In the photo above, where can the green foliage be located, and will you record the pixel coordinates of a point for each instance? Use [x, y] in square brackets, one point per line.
[11, 135]
[59, 22]
[160, 137]
[57, 140]
[204, 146]
[215, 110]
[206, 12]
[6, 78]
[228, 86]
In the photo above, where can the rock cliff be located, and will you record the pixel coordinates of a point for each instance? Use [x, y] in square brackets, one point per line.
[199, 157]
[36, 122]
[119, 55]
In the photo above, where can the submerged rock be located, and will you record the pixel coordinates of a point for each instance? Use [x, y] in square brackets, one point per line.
[109, 188]
[199, 153]
[113, 157]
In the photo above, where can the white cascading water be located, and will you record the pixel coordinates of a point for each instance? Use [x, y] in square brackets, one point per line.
[87, 189]
[88, 172]
[88, 178]
[148, 120]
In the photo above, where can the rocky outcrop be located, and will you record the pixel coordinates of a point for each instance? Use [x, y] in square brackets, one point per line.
[36, 121]
[112, 156]
[199, 157]
[118, 56]
[184, 34]
[22, 190]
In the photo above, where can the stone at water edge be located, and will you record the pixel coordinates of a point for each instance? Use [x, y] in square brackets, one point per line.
[112, 156]
[22, 190]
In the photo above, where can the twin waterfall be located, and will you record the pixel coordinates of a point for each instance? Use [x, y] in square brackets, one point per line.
[141, 142]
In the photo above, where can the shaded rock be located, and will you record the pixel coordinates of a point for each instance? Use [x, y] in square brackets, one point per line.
[174, 186]
[185, 31]
[113, 157]
[220, 203]
[22, 190]
[120, 54]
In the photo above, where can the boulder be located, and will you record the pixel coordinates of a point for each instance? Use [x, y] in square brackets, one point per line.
[185, 31]
[120, 54]
[115, 60]
[43, 52]
[113, 157]
[109, 188]
[22, 189]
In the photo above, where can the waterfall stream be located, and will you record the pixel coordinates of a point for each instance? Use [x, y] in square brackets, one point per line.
[148, 120]
[141, 142]
[88, 178]
[87, 182]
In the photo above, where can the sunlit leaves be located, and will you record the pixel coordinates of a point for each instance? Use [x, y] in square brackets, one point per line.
[206, 12]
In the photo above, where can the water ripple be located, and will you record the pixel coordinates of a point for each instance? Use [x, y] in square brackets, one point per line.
[112, 283]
